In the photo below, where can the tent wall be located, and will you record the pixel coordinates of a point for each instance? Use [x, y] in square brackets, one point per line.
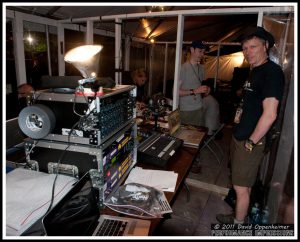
[280, 156]
[159, 64]
[139, 53]
[226, 66]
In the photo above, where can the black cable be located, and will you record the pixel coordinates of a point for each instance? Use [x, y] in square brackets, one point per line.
[60, 159]
[57, 170]
[62, 156]
[85, 117]
[53, 186]
[74, 102]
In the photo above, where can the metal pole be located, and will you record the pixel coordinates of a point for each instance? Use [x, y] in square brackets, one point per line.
[127, 53]
[165, 69]
[118, 51]
[283, 53]
[61, 50]
[89, 34]
[217, 68]
[19, 49]
[180, 27]
[195, 12]
[48, 51]
[150, 69]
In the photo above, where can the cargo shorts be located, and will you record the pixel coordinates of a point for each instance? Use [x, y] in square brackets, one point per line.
[245, 164]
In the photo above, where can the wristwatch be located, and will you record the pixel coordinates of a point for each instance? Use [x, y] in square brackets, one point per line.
[249, 145]
[192, 92]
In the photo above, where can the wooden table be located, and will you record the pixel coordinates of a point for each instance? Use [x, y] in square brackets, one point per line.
[180, 163]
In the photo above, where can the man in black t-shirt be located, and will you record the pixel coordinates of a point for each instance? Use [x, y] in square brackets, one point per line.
[262, 93]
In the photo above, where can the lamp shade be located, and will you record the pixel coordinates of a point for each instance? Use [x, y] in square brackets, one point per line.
[85, 58]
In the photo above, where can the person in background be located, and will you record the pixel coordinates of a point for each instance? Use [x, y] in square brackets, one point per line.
[257, 111]
[23, 91]
[139, 78]
[191, 88]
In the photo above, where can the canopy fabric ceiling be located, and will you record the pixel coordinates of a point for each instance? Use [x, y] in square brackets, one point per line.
[210, 28]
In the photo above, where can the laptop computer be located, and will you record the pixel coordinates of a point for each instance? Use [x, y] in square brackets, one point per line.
[78, 214]
[192, 136]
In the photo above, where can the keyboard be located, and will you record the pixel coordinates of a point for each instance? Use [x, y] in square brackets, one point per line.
[112, 227]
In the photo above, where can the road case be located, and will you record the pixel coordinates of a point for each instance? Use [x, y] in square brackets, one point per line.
[108, 163]
[74, 117]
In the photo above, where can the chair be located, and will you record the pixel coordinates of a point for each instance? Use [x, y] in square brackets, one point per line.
[211, 141]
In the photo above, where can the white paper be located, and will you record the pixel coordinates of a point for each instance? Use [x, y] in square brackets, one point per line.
[160, 179]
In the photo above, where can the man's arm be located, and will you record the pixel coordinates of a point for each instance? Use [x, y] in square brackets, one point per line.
[183, 92]
[187, 92]
[266, 120]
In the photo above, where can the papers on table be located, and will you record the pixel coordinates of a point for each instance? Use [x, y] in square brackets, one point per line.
[162, 180]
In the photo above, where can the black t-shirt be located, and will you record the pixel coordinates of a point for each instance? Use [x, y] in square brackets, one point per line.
[264, 81]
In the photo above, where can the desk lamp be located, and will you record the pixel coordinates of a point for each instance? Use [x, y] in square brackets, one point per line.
[86, 59]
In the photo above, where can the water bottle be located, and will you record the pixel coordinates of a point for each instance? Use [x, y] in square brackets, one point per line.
[255, 214]
[265, 215]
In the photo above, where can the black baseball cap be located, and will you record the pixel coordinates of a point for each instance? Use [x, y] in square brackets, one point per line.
[261, 33]
[198, 44]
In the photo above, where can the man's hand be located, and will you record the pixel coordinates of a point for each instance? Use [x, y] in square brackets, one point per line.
[249, 145]
[202, 89]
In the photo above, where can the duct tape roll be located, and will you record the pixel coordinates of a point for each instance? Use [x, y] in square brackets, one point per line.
[37, 121]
